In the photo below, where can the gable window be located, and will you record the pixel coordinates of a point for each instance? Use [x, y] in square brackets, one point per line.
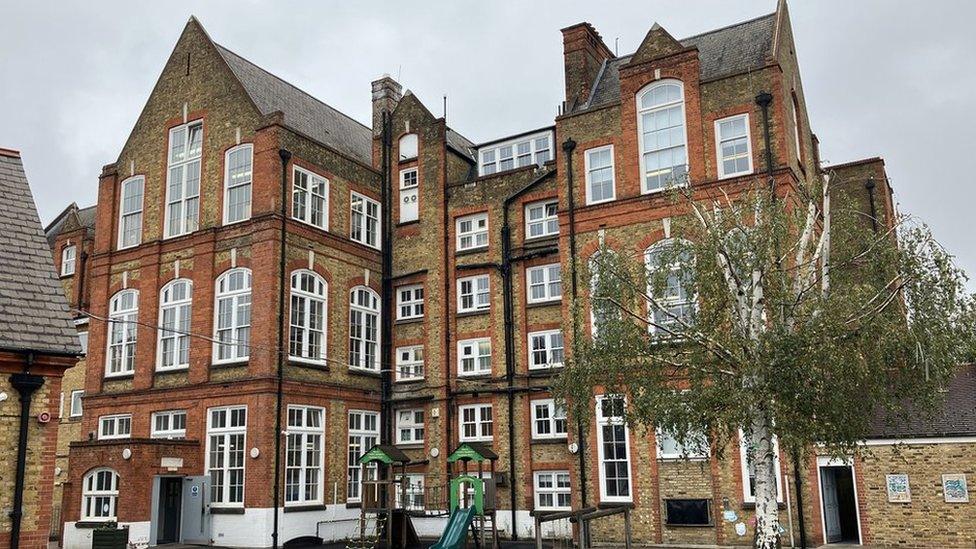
[472, 232]
[364, 433]
[303, 455]
[364, 224]
[661, 130]
[169, 424]
[473, 294]
[175, 305]
[409, 207]
[734, 146]
[310, 198]
[544, 284]
[545, 349]
[695, 446]
[183, 179]
[746, 454]
[676, 305]
[410, 302]
[68, 256]
[410, 363]
[364, 329]
[122, 319]
[115, 426]
[409, 426]
[76, 403]
[233, 311]
[226, 434]
[548, 420]
[613, 446]
[306, 339]
[552, 491]
[130, 212]
[541, 219]
[100, 495]
[474, 357]
[599, 175]
[237, 183]
[516, 153]
[408, 146]
[476, 423]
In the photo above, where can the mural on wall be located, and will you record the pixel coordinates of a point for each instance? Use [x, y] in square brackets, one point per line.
[955, 489]
[898, 490]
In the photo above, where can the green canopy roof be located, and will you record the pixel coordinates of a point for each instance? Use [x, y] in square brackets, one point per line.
[472, 451]
[385, 453]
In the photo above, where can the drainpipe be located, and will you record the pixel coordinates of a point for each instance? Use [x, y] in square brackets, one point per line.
[26, 384]
[285, 155]
[386, 330]
[869, 185]
[764, 100]
[798, 482]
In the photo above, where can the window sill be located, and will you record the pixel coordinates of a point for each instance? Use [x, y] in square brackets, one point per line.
[615, 505]
[749, 505]
[353, 505]
[407, 223]
[471, 251]
[474, 377]
[66, 275]
[549, 441]
[542, 241]
[304, 508]
[411, 320]
[353, 370]
[604, 201]
[410, 445]
[546, 371]
[546, 512]
[162, 372]
[114, 377]
[230, 364]
[710, 525]
[226, 510]
[409, 381]
[92, 524]
[546, 303]
[477, 312]
[679, 459]
[321, 366]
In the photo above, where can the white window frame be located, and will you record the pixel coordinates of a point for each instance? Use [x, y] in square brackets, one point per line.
[554, 414]
[549, 283]
[544, 221]
[677, 267]
[795, 107]
[76, 397]
[589, 180]
[719, 139]
[184, 222]
[746, 482]
[225, 433]
[414, 304]
[406, 420]
[641, 111]
[83, 341]
[312, 180]
[546, 336]
[474, 233]
[128, 318]
[239, 329]
[416, 497]
[555, 490]
[690, 453]
[493, 151]
[363, 225]
[170, 432]
[135, 213]
[475, 294]
[477, 356]
[361, 360]
[182, 314]
[410, 142]
[364, 440]
[602, 422]
[309, 299]
[305, 436]
[121, 426]
[479, 423]
[410, 367]
[409, 193]
[69, 255]
[245, 181]
[90, 496]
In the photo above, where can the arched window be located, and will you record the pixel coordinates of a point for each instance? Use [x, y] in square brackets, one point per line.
[663, 140]
[306, 340]
[364, 329]
[232, 307]
[408, 146]
[122, 317]
[130, 212]
[175, 305]
[100, 495]
[237, 183]
[668, 284]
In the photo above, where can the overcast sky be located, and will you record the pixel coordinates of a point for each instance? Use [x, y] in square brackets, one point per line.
[882, 78]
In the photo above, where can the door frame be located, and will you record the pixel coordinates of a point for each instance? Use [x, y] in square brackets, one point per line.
[155, 509]
[828, 461]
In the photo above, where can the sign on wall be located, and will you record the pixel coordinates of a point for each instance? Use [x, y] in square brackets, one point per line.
[955, 489]
[898, 490]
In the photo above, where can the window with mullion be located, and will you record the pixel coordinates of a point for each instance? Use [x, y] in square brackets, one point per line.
[473, 294]
[474, 357]
[613, 445]
[552, 490]
[410, 302]
[663, 143]
[310, 198]
[364, 433]
[410, 363]
[226, 436]
[130, 212]
[68, 255]
[237, 183]
[472, 232]
[303, 455]
[306, 339]
[544, 284]
[669, 285]
[99, 495]
[546, 349]
[170, 424]
[364, 225]
[175, 306]
[115, 426]
[733, 147]
[599, 175]
[410, 426]
[233, 310]
[122, 322]
[364, 335]
[476, 423]
[183, 179]
[541, 219]
[548, 420]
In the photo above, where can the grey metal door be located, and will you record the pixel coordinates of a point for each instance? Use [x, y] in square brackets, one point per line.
[196, 510]
[828, 481]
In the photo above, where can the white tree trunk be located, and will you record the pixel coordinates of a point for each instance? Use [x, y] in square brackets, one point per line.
[760, 439]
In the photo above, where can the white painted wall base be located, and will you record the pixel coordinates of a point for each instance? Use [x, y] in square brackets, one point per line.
[81, 538]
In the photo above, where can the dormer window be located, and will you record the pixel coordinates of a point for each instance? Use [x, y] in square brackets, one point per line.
[68, 257]
[408, 146]
[515, 153]
[663, 140]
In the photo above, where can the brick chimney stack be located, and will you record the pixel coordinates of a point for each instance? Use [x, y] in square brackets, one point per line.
[583, 54]
[386, 94]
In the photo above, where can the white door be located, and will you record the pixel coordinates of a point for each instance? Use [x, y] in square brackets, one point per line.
[831, 510]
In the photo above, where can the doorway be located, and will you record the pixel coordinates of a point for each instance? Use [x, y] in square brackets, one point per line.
[170, 508]
[838, 500]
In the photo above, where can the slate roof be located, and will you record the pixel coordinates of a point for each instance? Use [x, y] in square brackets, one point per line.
[956, 417]
[722, 52]
[85, 218]
[461, 144]
[303, 112]
[33, 310]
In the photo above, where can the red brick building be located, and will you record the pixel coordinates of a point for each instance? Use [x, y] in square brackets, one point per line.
[264, 264]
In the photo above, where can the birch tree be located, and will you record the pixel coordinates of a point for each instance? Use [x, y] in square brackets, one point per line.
[790, 319]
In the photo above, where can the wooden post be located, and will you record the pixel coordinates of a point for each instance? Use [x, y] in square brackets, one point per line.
[627, 527]
[538, 533]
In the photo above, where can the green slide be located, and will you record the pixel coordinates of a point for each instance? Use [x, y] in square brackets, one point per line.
[456, 530]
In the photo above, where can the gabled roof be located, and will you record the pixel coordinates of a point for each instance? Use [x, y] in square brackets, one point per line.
[472, 451]
[33, 310]
[303, 113]
[69, 219]
[385, 453]
[461, 144]
[956, 417]
[722, 52]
